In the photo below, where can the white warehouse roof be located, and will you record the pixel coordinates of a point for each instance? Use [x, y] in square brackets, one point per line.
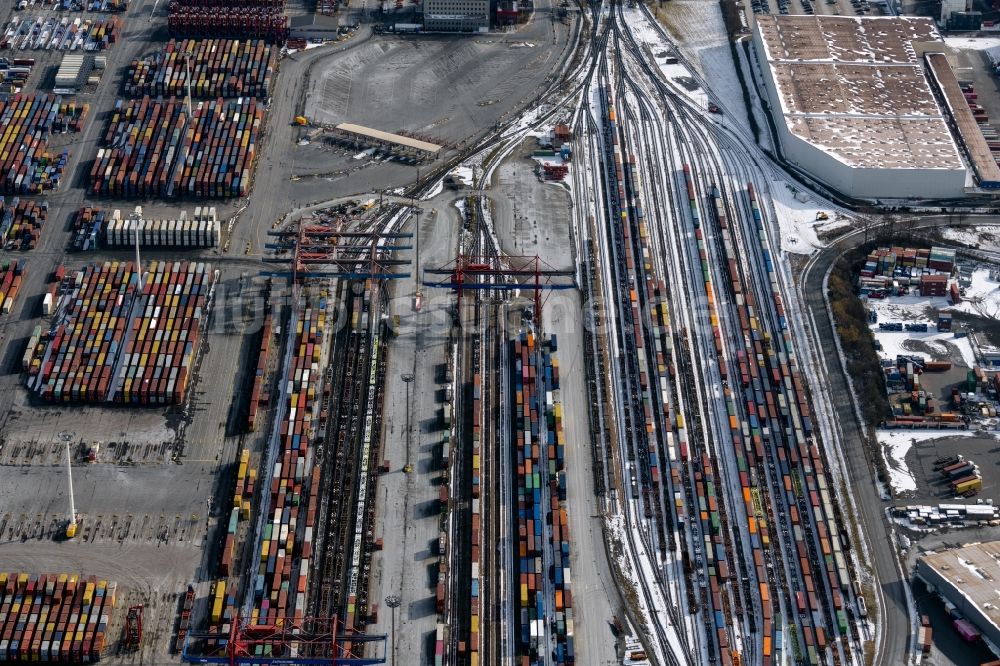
[854, 88]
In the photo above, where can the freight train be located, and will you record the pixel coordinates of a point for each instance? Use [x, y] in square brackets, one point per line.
[674, 483]
[778, 415]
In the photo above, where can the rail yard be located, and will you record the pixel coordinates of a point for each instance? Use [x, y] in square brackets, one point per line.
[558, 397]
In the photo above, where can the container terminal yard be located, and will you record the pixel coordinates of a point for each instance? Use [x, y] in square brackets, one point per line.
[295, 371]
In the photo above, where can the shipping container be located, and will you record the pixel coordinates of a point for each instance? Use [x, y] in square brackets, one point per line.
[219, 68]
[151, 148]
[108, 346]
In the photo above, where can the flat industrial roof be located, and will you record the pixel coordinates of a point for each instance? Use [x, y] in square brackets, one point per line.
[389, 137]
[968, 129]
[974, 570]
[855, 88]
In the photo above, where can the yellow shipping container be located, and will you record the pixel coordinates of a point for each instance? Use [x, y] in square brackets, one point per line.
[217, 611]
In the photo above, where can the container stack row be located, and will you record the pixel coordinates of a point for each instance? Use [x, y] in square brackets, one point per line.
[153, 149]
[232, 21]
[27, 121]
[289, 501]
[11, 274]
[14, 73]
[25, 31]
[222, 613]
[219, 68]
[105, 6]
[111, 343]
[258, 394]
[94, 228]
[242, 495]
[540, 491]
[21, 222]
[562, 596]
[227, 4]
[178, 234]
[475, 581]
[54, 617]
[28, 360]
[88, 227]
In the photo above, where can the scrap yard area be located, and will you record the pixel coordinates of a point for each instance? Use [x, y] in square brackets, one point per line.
[335, 333]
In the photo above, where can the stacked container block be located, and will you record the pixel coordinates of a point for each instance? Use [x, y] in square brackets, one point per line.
[21, 222]
[110, 343]
[258, 19]
[54, 617]
[289, 499]
[543, 592]
[219, 68]
[11, 274]
[153, 149]
[26, 122]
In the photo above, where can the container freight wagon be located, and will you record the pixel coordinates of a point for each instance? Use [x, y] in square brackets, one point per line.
[291, 484]
[219, 68]
[258, 394]
[151, 148]
[54, 617]
[111, 343]
[239, 21]
[26, 166]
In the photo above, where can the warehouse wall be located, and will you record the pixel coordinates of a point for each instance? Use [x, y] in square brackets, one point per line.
[854, 182]
[968, 609]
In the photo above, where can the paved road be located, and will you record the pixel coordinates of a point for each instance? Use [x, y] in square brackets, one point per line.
[269, 198]
[894, 623]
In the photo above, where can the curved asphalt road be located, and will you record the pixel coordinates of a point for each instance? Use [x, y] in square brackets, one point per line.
[894, 623]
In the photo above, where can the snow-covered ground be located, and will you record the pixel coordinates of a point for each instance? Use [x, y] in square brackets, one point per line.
[897, 443]
[916, 309]
[696, 27]
[462, 174]
[976, 237]
[797, 219]
[982, 297]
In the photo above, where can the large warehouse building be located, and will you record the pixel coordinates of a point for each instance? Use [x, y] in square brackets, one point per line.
[856, 106]
[968, 578]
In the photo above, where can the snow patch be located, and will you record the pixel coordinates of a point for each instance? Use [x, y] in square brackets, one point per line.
[972, 43]
[982, 296]
[796, 211]
[984, 238]
[895, 445]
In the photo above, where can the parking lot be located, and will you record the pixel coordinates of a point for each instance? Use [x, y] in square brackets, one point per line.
[819, 7]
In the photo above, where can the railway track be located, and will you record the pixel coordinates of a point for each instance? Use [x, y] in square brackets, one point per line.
[695, 242]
